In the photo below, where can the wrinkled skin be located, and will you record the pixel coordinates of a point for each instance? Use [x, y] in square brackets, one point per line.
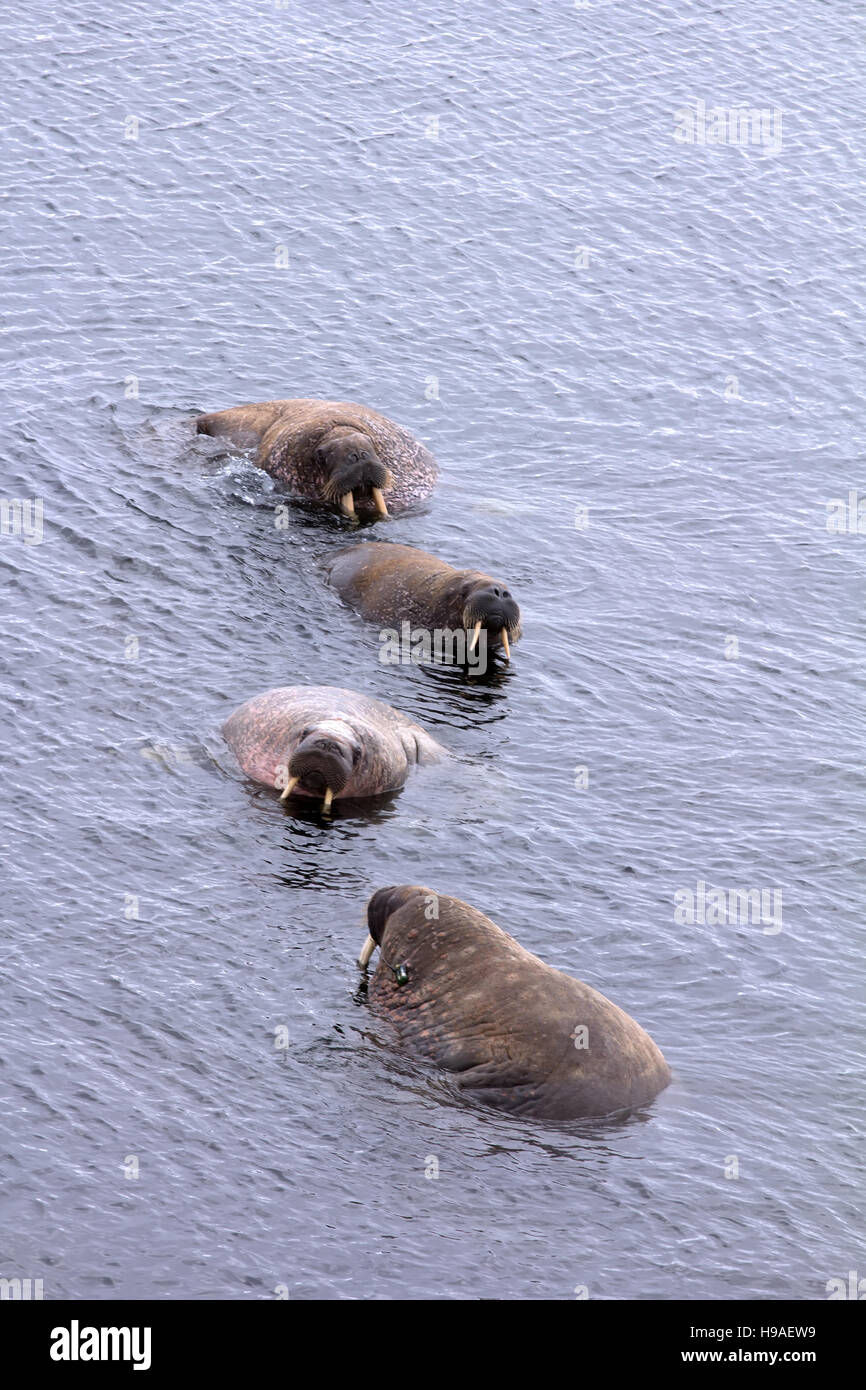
[477, 1004]
[325, 449]
[376, 745]
[392, 584]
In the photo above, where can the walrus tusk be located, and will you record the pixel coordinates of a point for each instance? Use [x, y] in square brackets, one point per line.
[378, 498]
[504, 636]
[347, 502]
[290, 787]
[366, 952]
[326, 805]
[474, 638]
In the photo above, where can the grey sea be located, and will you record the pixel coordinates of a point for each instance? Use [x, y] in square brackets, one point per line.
[606, 261]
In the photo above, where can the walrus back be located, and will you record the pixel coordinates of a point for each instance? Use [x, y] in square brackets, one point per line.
[243, 425]
[387, 583]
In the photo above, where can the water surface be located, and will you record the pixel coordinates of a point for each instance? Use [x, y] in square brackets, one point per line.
[639, 363]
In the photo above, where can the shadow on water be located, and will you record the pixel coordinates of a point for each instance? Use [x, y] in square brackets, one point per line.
[330, 857]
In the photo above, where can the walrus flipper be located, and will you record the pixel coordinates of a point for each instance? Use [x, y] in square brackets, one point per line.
[420, 748]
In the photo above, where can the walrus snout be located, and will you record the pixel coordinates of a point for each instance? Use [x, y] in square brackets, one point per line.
[355, 472]
[490, 606]
[321, 765]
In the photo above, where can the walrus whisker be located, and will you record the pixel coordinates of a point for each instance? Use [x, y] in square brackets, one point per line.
[290, 787]
[474, 638]
[504, 636]
[347, 502]
[379, 499]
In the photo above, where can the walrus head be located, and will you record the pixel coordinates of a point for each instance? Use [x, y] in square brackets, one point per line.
[323, 761]
[488, 604]
[354, 471]
[384, 902]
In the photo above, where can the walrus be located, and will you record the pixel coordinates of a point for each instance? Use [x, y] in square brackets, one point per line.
[521, 1036]
[324, 742]
[332, 452]
[397, 583]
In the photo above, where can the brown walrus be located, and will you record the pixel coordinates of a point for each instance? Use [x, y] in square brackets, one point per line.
[522, 1036]
[321, 741]
[397, 583]
[333, 452]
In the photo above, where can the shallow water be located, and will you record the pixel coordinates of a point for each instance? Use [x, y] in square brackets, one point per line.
[641, 437]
